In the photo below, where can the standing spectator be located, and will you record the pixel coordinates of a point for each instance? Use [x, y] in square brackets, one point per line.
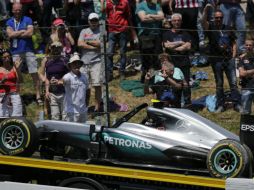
[250, 17]
[78, 11]
[201, 32]
[223, 50]
[189, 11]
[3, 9]
[20, 31]
[75, 84]
[48, 5]
[87, 7]
[118, 20]
[54, 67]
[61, 33]
[234, 16]
[31, 8]
[149, 16]
[10, 77]
[246, 73]
[165, 84]
[73, 12]
[89, 43]
[178, 44]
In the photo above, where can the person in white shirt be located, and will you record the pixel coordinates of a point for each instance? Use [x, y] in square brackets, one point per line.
[76, 85]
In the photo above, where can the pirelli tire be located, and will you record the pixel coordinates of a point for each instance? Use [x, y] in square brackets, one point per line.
[18, 136]
[228, 158]
[82, 183]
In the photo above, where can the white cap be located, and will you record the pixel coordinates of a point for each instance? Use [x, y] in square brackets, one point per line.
[75, 57]
[93, 16]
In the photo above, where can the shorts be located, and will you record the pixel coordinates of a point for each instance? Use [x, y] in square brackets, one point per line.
[93, 73]
[56, 106]
[76, 117]
[29, 59]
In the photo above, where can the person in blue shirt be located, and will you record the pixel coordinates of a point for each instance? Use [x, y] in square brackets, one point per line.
[20, 30]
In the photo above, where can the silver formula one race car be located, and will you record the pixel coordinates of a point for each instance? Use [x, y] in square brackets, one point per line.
[166, 139]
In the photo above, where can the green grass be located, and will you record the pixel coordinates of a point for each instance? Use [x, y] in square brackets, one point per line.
[228, 119]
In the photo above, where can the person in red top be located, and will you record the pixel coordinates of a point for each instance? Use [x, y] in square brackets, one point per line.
[10, 76]
[118, 20]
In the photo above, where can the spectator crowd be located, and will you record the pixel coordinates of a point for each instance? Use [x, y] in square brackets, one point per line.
[167, 33]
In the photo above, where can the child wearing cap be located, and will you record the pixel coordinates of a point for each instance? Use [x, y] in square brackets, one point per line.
[76, 85]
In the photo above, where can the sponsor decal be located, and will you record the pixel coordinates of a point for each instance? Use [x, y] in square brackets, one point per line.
[127, 142]
[14, 152]
[245, 127]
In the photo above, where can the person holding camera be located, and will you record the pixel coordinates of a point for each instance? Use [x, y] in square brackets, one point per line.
[166, 84]
[223, 50]
[61, 33]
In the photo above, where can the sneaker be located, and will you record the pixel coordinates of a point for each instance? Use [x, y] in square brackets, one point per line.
[202, 44]
[116, 65]
[220, 109]
[238, 108]
[138, 67]
[39, 102]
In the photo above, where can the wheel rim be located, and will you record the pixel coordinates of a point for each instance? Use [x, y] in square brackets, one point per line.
[225, 161]
[12, 137]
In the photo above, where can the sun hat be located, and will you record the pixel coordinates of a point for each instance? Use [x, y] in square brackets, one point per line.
[93, 16]
[58, 22]
[75, 58]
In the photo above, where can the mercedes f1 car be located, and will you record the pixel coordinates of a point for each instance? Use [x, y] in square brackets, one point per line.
[166, 138]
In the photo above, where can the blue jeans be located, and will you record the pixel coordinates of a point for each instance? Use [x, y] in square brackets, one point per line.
[113, 38]
[247, 98]
[3, 8]
[234, 13]
[202, 4]
[229, 68]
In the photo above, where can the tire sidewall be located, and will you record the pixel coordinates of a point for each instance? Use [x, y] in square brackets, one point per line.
[227, 145]
[26, 133]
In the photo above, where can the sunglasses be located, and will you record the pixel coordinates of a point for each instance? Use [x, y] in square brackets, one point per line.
[94, 20]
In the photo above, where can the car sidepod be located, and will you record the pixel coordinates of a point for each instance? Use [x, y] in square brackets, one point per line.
[144, 145]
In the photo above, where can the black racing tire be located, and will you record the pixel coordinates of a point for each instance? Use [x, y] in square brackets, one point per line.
[228, 158]
[249, 170]
[82, 183]
[18, 137]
